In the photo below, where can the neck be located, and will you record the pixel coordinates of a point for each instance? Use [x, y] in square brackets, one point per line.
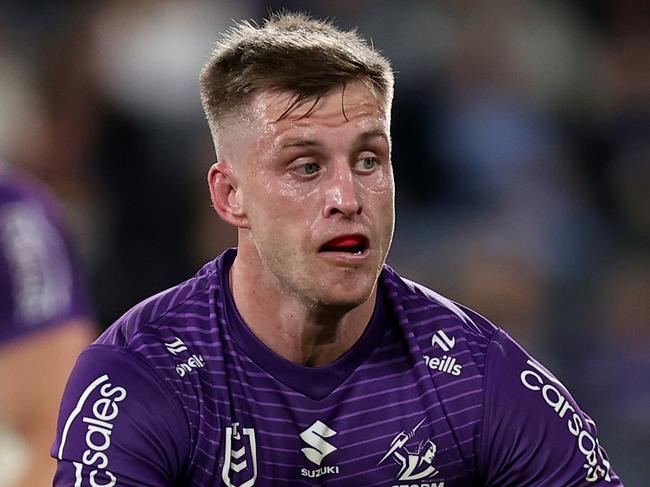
[304, 333]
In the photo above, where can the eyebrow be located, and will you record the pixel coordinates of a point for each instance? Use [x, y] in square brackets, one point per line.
[373, 134]
[300, 142]
[291, 142]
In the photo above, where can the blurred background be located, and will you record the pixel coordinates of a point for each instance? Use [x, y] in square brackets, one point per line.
[521, 151]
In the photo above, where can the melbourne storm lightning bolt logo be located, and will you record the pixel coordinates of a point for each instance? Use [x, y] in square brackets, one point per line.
[414, 464]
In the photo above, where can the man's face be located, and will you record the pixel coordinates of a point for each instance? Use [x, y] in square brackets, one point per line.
[318, 194]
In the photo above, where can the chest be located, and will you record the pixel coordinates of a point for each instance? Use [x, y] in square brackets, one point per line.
[386, 425]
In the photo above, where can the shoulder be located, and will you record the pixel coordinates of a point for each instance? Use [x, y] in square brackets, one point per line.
[438, 323]
[533, 428]
[141, 375]
[153, 365]
[115, 409]
[175, 331]
[529, 426]
[422, 304]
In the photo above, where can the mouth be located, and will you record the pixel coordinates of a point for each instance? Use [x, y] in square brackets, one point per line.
[354, 245]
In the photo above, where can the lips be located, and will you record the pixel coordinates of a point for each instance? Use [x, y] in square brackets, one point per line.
[353, 244]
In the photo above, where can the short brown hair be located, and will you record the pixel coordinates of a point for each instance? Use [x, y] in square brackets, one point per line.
[288, 52]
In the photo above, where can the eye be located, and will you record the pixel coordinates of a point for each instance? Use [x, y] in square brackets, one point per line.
[367, 164]
[308, 169]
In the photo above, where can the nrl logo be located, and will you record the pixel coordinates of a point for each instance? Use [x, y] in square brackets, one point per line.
[240, 457]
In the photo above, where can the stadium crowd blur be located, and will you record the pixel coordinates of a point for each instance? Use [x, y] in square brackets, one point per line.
[521, 150]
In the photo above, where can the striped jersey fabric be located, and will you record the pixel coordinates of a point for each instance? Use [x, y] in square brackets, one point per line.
[180, 392]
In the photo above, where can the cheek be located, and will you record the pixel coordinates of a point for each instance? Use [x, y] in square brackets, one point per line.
[379, 183]
[287, 202]
[278, 212]
[295, 192]
[381, 192]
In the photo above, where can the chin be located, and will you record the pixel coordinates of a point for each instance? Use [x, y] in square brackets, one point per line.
[346, 294]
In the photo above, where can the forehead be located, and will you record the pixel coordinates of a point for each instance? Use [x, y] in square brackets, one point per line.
[353, 106]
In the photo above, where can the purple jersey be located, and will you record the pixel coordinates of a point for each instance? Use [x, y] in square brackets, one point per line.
[179, 392]
[40, 282]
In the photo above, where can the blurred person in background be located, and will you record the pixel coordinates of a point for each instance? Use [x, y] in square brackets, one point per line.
[45, 320]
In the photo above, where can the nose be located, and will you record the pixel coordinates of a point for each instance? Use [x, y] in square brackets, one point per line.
[341, 193]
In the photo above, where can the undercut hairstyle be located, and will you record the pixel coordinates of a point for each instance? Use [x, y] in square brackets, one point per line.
[290, 52]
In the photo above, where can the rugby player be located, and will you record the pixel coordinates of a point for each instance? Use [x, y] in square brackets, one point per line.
[299, 357]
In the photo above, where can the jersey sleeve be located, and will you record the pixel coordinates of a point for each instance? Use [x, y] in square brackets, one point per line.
[119, 424]
[533, 432]
[40, 280]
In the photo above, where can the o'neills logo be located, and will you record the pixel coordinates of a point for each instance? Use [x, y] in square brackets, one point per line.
[446, 364]
[196, 361]
[536, 378]
[98, 423]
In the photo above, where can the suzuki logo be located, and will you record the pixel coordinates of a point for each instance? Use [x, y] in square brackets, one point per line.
[443, 341]
[315, 436]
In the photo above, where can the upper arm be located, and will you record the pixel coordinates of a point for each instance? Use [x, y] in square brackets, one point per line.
[119, 422]
[534, 433]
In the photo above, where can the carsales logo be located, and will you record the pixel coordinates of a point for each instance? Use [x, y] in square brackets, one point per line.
[538, 379]
[98, 424]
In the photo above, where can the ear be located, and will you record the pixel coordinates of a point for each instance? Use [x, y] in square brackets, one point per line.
[226, 195]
